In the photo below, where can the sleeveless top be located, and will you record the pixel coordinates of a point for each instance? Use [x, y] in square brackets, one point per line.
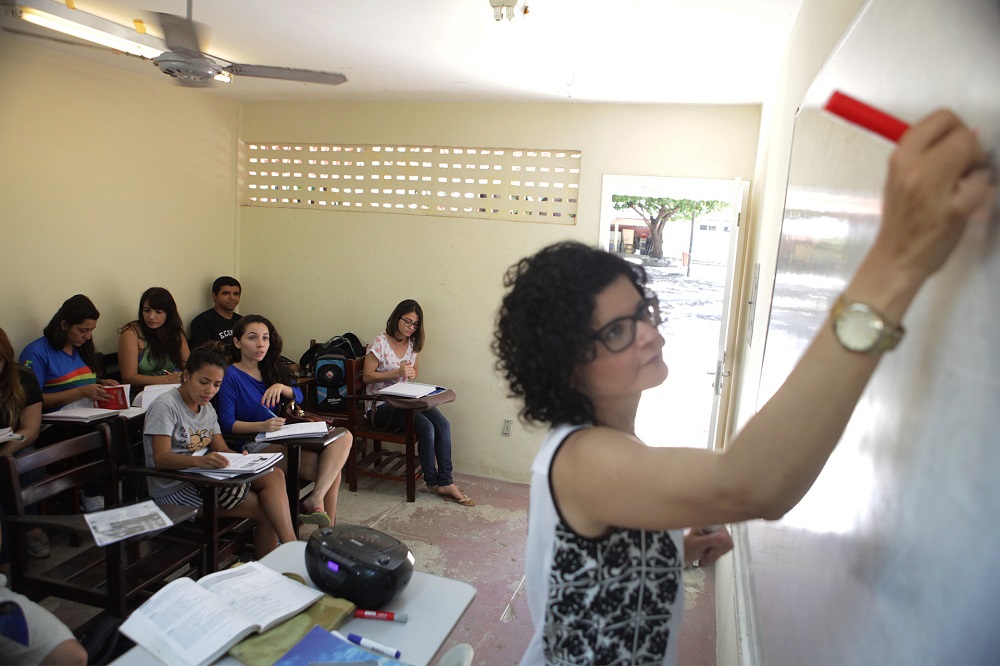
[617, 599]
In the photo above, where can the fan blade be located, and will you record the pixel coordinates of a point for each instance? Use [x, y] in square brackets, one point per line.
[286, 74]
[180, 34]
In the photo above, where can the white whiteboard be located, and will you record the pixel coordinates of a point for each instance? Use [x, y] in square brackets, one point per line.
[894, 555]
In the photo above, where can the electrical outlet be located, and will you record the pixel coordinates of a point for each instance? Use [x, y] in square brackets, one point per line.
[507, 424]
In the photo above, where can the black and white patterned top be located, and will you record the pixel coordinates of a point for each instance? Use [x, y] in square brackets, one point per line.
[614, 600]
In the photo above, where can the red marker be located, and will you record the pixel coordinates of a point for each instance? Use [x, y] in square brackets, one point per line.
[379, 615]
[866, 116]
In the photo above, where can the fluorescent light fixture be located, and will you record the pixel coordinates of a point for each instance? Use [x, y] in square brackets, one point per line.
[92, 29]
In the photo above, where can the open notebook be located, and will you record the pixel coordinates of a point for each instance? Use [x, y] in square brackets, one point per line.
[410, 389]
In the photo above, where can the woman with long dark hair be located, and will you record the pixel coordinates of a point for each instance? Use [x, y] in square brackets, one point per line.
[256, 386]
[64, 359]
[21, 412]
[152, 349]
[181, 425]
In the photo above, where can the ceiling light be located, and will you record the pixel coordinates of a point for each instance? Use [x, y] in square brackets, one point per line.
[91, 28]
[500, 5]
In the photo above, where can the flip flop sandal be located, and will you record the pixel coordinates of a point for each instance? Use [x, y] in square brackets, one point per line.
[317, 517]
[38, 544]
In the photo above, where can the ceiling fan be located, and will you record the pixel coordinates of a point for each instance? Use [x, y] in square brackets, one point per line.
[186, 62]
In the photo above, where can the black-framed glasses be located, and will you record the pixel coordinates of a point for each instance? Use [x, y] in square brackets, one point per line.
[410, 322]
[619, 333]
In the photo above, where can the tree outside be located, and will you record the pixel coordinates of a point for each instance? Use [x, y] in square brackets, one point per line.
[657, 211]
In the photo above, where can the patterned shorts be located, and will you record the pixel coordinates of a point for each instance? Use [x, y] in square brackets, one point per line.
[190, 495]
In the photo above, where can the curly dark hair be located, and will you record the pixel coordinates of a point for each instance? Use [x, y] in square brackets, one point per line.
[543, 328]
[272, 369]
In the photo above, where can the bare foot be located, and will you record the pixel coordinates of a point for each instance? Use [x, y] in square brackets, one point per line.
[450, 491]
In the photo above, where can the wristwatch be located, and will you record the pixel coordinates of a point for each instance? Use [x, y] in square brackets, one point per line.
[861, 328]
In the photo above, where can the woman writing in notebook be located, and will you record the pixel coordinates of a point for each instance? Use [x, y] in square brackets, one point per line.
[152, 349]
[250, 402]
[392, 358]
[182, 431]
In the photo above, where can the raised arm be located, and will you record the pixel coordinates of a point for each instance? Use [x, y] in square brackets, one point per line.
[937, 178]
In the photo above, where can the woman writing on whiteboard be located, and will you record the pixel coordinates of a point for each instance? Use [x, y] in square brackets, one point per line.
[576, 340]
[392, 358]
[250, 402]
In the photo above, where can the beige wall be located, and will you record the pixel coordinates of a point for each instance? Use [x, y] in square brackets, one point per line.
[109, 183]
[318, 273]
[127, 181]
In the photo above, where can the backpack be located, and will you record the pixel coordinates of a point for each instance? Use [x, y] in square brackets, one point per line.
[347, 345]
[328, 361]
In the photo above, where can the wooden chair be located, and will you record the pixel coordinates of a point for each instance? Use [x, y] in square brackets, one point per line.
[379, 462]
[116, 577]
[221, 540]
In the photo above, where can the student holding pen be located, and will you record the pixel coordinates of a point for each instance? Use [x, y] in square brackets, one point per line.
[250, 402]
[152, 349]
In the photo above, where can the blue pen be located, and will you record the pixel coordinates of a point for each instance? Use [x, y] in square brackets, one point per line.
[270, 412]
[374, 646]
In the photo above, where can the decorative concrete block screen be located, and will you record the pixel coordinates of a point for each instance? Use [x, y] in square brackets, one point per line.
[513, 184]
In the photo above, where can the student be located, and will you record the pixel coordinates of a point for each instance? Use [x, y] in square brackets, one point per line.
[20, 410]
[152, 348]
[392, 358]
[49, 641]
[577, 341]
[250, 402]
[181, 425]
[216, 324]
[64, 359]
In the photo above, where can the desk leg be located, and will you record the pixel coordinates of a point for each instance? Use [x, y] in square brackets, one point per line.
[292, 483]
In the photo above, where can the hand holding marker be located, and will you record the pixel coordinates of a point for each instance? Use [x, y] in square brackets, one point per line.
[866, 116]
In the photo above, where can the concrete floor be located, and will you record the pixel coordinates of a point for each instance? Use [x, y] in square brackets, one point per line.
[484, 546]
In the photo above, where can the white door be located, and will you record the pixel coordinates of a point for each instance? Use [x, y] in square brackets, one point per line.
[694, 284]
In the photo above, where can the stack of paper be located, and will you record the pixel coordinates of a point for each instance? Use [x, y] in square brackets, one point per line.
[240, 463]
[409, 389]
[304, 429]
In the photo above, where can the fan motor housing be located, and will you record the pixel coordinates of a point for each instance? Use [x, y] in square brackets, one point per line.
[188, 69]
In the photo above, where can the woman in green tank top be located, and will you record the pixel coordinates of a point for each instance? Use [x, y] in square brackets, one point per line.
[152, 349]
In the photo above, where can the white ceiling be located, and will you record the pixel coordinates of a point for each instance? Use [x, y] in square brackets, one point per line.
[616, 51]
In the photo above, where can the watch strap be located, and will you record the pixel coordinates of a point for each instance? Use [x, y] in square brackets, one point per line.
[889, 335]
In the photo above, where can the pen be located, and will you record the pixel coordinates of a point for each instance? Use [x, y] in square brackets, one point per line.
[373, 646]
[270, 412]
[379, 615]
[863, 115]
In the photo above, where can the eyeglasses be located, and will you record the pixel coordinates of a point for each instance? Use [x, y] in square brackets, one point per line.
[410, 322]
[619, 333]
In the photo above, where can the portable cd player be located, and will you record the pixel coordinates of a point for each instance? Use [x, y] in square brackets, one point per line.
[362, 565]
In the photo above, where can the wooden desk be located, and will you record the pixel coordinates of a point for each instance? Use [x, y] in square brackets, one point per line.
[434, 605]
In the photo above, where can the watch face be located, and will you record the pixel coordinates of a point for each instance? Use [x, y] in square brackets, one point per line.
[858, 328]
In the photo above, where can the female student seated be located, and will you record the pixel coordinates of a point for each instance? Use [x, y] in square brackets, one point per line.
[250, 402]
[392, 358]
[152, 349]
[21, 411]
[64, 359]
[181, 425]
[577, 342]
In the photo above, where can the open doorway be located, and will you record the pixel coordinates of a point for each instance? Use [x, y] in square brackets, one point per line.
[691, 267]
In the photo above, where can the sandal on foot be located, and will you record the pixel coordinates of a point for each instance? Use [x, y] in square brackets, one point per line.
[317, 517]
[38, 544]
